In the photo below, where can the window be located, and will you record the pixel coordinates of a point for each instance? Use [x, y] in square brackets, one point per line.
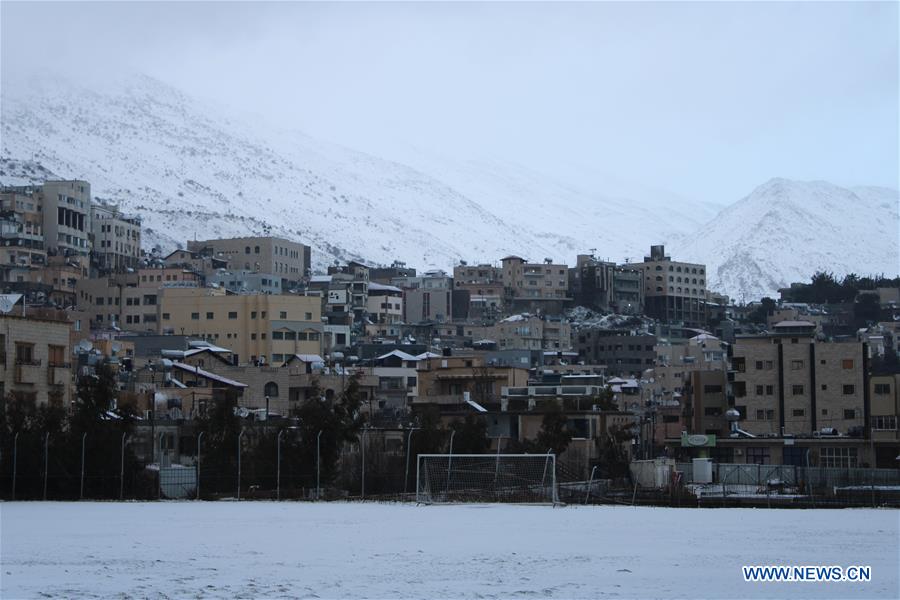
[760, 414]
[712, 411]
[849, 390]
[759, 390]
[290, 335]
[839, 457]
[314, 337]
[770, 390]
[770, 365]
[247, 250]
[232, 315]
[210, 315]
[757, 456]
[256, 250]
[770, 414]
[797, 389]
[712, 389]
[884, 423]
[252, 336]
[824, 387]
[796, 365]
[798, 412]
[849, 413]
[308, 316]
[253, 314]
[277, 335]
[759, 365]
[847, 363]
[882, 389]
[56, 356]
[166, 316]
[24, 353]
[282, 314]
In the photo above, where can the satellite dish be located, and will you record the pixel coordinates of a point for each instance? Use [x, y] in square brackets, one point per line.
[7, 301]
[85, 345]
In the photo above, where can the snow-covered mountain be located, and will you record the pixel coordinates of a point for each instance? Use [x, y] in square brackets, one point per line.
[785, 231]
[191, 170]
[195, 171]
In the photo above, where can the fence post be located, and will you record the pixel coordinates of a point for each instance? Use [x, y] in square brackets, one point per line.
[408, 452]
[546, 464]
[46, 460]
[81, 489]
[497, 468]
[15, 461]
[318, 450]
[365, 438]
[240, 439]
[160, 465]
[199, 439]
[278, 466]
[590, 485]
[122, 470]
[450, 462]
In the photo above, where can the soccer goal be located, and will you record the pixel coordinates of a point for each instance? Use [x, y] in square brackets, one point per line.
[517, 478]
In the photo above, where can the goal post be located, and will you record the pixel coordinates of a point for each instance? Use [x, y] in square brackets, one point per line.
[514, 478]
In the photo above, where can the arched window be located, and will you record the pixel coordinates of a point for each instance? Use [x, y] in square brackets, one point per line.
[247, 250]
[256, 250]
[271, 389]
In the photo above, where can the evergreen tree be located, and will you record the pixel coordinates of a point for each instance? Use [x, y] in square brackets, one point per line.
[554, 434]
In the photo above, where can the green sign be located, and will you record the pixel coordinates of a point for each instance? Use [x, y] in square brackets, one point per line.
[698, 440]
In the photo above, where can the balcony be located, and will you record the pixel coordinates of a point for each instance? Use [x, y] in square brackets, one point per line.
[27, 371]
[59, 374]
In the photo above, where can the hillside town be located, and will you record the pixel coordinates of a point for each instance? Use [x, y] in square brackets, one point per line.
[642, 352]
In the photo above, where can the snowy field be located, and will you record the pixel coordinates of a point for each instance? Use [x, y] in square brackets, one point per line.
[344, 550]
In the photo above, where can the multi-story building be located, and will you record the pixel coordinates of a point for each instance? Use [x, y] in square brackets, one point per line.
[624, 352]
[531, 332]
[67, 217]
[883, 390]
[606, 286]
[246, 282]
[22, 252]
[673, 291]
[427, 297]
[534, 286]
[788, 382]
[384, 275]
[116, 239]
[482, 290]
[280, 257]
[384, 305]
[35, 355]
[260, 328]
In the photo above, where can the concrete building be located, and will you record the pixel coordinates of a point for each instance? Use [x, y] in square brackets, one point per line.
[534, 286]
[280, 257]
[624, 352]
[257, 328]
[481, 290]
[22, 251]
[35, 355]
[531, 332]
[443, 382]
[67, 217]
[427, 297]
[246, 282]
[115, 239]
[788, 382]
[384, 305]
[673, 291]
[605, 286]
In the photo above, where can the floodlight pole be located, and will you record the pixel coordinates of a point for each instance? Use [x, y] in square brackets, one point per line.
[365, 438]
[240, 439]
[15, 461]
[46, 460]
[122, 469]
[590, 485]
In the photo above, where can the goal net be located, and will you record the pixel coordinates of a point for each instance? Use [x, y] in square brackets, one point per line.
[521, 478]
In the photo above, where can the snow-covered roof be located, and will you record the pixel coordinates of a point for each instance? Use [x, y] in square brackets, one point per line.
[485, 341]
[320, 279]
[309, 358]
[399, 354]
[514, 318]
[208, 375]
[380, 287]
[795, 324]
[615, 380]
[426, 355]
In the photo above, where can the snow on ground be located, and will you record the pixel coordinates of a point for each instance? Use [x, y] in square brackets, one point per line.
[346, 550]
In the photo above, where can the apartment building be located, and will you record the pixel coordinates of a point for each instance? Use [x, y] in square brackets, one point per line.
[788, 382]
[443, 381]
[67, 216]
[260, 328]
[428, 297]
[670, 377]
[531, 332]
[624, 352]
[116, 239]
[246, 282]
[35, 355]
[674, 292]
[280, 257]
[22, 251]
[605, 286]
[384, 305]
[884, 390]
[534, 282]
[481, 290]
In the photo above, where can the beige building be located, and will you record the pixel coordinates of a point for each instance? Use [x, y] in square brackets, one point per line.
[384, 304]
[546, 280]
[35, 356]
[263, 328]
[67, 216]
[787, 382]
[280, 257]
[116, 239]
[531, 332]
[674, 292]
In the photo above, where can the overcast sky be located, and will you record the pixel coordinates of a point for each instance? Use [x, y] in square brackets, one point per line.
[707, 100]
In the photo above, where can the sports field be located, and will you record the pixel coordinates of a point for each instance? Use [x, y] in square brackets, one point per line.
[367, 550]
